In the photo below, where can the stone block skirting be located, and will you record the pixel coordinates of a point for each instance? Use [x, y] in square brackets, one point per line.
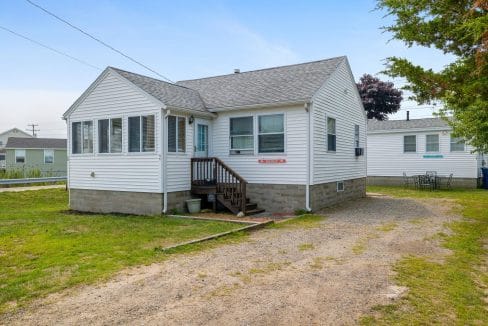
[277, 198]
[326, 194]
[127, 202]
[398, 181]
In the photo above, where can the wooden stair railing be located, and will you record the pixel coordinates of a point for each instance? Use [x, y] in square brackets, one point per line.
[230, 186]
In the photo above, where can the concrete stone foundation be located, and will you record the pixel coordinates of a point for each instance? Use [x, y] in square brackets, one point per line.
[277, 198]
[140, 203]
[398, 181]
[326, 194]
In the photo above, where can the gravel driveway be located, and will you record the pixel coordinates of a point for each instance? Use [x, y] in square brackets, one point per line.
[331, 274]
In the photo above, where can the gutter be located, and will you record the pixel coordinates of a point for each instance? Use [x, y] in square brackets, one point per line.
[165, 156]
[308, 108]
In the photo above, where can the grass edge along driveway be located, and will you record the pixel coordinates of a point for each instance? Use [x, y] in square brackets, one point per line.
[450, 292]
[44, 248]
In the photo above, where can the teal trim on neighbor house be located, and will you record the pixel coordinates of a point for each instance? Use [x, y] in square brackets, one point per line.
[34, 160]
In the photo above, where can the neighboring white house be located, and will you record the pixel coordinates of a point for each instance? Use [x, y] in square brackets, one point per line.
[4, 136]
[287, 138]
[416, 146]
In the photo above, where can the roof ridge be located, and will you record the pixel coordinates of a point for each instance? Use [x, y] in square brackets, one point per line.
[159, 80]
[263, 69]
[382, 121]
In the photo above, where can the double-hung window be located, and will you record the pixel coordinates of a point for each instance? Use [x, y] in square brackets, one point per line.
[82, 137]
[20, 156]
[241, 135]
[410, 144]
[142, 133]
[331, 134]
[271, 133]
[432, 143]
[176, 134]
[48, 156]
[457, 144]
[110, 135]
[356, 136]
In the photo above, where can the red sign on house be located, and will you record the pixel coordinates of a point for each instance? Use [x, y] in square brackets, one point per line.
[272, 161]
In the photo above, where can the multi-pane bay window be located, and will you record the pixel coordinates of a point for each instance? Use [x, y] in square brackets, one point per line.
[271, 133]
[457, 144]
[432, 143]
[142, 133]
[410, 144]
[241, 135]
[331, 134]
[176, 134]
[110, 135]
[82, 137]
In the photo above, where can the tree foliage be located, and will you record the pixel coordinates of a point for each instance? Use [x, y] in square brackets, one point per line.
[379, 98]
[456, 27]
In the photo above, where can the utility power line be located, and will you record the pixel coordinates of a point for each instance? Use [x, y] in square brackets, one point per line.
[32, 128]
[48, 47]
[97, 40]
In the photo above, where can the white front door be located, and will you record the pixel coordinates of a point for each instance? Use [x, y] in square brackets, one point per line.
[201, 138]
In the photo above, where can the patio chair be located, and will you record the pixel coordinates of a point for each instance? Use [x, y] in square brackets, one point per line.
[406, 180]
[426, 182]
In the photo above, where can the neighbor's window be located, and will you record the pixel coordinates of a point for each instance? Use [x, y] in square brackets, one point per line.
[20, 156]
[331, 134]
[432, 143]
[457, 144]
[82, 137]
[356, 136]
[110, 135]
[141, 133]
[48, 156]
[410, 144]
[271, 133]
[176, 134]
[241, 135]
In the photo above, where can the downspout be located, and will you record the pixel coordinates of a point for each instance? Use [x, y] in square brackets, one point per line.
[308, 109]
[165, 156]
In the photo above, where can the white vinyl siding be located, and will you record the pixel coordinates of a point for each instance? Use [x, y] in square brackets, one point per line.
[112, 98]
[338, 99]
[387, 158]
[293, 171]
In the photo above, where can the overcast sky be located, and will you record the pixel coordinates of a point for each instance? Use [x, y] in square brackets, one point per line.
[181, 40]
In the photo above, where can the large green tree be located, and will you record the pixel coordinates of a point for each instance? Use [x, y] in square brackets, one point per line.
[456, 27]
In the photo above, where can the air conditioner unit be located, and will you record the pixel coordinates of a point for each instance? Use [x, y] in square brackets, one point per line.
[359, 151]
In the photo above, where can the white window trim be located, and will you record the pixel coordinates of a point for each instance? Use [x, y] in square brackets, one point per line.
[256, 139]
[140, 152]
[253, 149]
[327, 116]
[337, 186]
[438, 143]
[451, 142]
[416, 143]
[81, 140]
[110, 137]
[25, 156]
[177, 152]
[45, 156]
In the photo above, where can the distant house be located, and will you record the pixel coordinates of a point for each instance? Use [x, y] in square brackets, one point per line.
[416, 146]
[45, 155]
[279, 139]
[4, 136]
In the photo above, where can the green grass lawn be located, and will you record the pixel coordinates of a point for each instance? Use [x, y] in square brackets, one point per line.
[451, 292]
[44, 248]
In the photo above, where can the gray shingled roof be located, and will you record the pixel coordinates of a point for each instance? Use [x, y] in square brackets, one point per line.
[170, 94]
[375, 125]
[292, 83]
[47, 143]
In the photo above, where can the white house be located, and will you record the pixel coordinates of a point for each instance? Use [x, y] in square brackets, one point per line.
[415, 147]
[283, 138]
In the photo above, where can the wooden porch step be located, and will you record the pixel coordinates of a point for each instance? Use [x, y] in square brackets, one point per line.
[255, 211]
